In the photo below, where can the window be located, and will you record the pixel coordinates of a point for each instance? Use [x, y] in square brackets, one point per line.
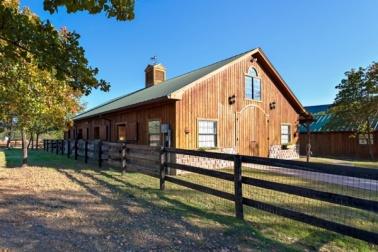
[121, 132]
[207, 134]
[154, 133]
[252, 85]
[285, 134]
[363, 139]
[96, 132]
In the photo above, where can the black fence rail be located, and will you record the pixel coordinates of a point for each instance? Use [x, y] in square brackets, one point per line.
[292, 189]
[127, 157]
[325, 181]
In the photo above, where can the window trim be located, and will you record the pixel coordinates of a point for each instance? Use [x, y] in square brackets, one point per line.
[148, 130]
[289, 135]
[117, 135]
[253, 77]
[359, 138]
[216, 127]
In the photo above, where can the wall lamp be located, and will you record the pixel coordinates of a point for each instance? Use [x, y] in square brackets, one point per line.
[272, 105]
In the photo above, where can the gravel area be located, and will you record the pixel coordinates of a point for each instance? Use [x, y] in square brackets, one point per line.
[45, 209]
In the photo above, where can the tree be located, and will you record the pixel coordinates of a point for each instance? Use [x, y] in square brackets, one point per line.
[120, 9]
[24, 35]
[35, 99]
[356, 103]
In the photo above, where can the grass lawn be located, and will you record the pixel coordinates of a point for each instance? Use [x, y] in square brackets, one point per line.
[261, 231]
[359, 163]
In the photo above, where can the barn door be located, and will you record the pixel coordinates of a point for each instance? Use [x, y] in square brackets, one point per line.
[252, 132]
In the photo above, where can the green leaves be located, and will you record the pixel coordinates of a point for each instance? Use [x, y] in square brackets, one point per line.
[24, 35]
[356, 104]
[119, 9]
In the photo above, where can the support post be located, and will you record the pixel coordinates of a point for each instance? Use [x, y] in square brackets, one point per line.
[238, 187]
[100, 153]
[86, 152]
[163, 160]
[75, 149]
[123, 157]
[308, 147]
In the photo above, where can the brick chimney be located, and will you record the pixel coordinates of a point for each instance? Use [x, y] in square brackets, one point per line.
[155, 74]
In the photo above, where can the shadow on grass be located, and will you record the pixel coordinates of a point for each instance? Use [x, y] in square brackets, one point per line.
[173, 211]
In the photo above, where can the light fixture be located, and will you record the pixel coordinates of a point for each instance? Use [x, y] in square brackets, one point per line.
[272, 105]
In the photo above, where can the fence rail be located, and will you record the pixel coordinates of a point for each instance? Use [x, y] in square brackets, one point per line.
[320, 180]
[239, 181]
[128, 157]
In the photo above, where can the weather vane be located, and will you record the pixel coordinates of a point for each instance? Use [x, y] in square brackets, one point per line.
[154, 60]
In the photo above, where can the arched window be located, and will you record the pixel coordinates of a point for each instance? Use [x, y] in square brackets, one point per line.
[252, 85]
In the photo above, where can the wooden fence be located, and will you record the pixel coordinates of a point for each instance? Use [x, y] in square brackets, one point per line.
[128, 157]
[155, 161]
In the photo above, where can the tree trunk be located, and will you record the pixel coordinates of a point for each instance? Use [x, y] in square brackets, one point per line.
[24, 149]
[30, 140]
[9, 139]
[370, 144]
[36, 141]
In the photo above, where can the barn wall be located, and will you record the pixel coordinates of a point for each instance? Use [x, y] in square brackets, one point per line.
[134, 118]
[337, 145]
[209, 100]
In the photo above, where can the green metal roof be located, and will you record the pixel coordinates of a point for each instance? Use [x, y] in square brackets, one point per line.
[322, 119]
[155, 92]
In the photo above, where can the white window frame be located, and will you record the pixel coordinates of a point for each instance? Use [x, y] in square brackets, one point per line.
[288, 134]
[215, 134]
[363, 140]
[253, 78]
[154, 142]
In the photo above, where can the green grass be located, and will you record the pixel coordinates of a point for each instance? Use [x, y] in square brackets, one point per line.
[359, 163]
[261, 230]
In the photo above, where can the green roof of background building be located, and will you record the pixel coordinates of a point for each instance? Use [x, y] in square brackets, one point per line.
[161, 90]
[322, 118]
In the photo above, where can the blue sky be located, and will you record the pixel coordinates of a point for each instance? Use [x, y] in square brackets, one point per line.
[311, 43]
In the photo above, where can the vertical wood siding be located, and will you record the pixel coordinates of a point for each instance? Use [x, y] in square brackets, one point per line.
[258, 128]
[140, 116]
[337, 144]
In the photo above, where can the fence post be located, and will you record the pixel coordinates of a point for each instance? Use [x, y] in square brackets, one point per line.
[238, 187]
[48, 145]
[86, 151]
[75, 149]
[163, 160]
[123, 157]
[68, 148]
[44, 144]
[100, 153]
[51, 145]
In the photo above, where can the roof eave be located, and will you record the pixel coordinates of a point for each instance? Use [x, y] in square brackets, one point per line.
[160, 99]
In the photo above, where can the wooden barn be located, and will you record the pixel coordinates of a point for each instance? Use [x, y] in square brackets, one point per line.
[336, 140]
[237, 105]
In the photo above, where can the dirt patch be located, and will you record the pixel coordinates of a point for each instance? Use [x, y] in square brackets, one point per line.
[62, 209]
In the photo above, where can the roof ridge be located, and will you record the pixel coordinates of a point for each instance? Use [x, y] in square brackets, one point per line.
[165, 82]
[219, 61]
